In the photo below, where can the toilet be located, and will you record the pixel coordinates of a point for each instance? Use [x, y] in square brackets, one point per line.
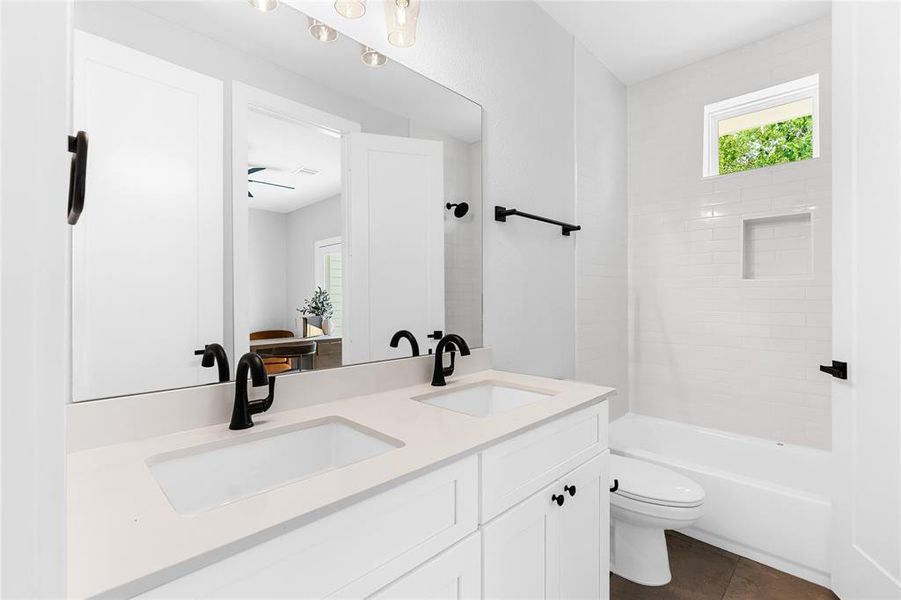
[649, 499]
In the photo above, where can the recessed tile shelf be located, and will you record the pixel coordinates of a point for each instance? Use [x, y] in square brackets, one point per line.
[777, 247]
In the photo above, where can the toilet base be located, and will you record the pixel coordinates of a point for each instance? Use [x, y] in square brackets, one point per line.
[639, 553]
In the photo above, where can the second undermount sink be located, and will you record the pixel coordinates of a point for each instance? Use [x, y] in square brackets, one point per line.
[484, 399]
[204, 477]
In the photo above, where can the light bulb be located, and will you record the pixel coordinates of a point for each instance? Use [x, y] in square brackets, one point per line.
[372, 58]
[351, 9]
[400, 17]
[264, 5]
[322, 32]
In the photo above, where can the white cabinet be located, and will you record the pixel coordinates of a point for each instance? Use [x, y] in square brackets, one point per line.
[351, 553]
[543, 549]
[455, 573]
[425, 539]
[516, 468]
[584, 521]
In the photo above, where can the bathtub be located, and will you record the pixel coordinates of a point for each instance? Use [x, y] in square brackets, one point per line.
[764, 500]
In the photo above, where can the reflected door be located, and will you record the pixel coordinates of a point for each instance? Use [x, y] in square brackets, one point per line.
[147, 252]
[394, 244]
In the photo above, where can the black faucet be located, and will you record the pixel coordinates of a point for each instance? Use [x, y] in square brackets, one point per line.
[245, 408]
[404, 334]
[451, 340]
[215, 354]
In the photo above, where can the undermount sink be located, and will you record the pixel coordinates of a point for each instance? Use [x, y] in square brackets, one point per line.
[204, 477]
[484, 399]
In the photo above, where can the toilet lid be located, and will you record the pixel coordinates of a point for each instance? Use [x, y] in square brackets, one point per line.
[647, 482]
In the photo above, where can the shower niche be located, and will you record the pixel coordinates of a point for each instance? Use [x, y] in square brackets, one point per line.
[777, 247]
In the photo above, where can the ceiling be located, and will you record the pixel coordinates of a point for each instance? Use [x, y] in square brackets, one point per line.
[282, 147]
[638, 40]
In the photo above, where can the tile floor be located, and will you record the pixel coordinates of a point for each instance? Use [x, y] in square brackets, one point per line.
[704, 572]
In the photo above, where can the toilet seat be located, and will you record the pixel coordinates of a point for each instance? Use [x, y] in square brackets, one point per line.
[644, 482]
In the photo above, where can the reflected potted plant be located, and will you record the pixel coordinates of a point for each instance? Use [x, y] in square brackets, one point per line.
[318, 311]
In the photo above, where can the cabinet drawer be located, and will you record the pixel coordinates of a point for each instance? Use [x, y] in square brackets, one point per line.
[456, 573]
[353, 552]
[519, 467]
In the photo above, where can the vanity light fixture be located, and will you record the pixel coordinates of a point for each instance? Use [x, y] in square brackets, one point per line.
[322, 32]
[351, 9]
[264, 5]
[372, 58]
[400, 17]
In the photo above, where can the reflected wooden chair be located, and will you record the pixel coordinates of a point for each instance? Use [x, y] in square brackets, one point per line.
[274, 364]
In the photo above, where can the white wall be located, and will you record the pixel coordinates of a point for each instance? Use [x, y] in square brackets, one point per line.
[601, 246]
[306, 226]
[34, 296]
[267, 264]
[706, 346]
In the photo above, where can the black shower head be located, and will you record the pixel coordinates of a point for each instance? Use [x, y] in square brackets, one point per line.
[460, 211]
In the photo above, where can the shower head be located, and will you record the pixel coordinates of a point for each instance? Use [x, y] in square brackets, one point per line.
[460, 211]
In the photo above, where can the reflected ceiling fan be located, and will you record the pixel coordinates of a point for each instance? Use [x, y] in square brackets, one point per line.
[253, 170]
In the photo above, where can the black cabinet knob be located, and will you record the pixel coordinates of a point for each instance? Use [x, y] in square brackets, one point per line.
[571, 489]
[558, 499]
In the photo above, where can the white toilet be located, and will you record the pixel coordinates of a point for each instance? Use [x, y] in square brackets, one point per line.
[649, 499]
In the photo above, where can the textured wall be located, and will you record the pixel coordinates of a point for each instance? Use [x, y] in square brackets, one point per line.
[708, 347]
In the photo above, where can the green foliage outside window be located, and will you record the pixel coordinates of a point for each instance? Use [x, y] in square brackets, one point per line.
[771, 144]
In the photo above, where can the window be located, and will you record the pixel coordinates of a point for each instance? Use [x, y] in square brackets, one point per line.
[775, 125]
[330, 276]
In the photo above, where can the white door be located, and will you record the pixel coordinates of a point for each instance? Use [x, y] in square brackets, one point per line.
[585, 531]
[454, 574]
[147, 252]
[520, 552]
[867, 299]
[393, 244]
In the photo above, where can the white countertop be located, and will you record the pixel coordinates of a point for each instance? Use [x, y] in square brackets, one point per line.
[121, 527]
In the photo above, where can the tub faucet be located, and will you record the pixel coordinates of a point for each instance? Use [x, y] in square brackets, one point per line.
[214, 354]
[450, 342]
[404, 334]
[245, 408]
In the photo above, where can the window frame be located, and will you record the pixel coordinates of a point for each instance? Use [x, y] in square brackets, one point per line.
[777, 95]
[320, 249]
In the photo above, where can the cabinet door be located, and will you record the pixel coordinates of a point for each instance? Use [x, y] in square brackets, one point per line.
[584, 531]
[453, 574]
[521, 549]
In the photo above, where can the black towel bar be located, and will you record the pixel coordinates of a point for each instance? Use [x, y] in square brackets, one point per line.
[502, 212]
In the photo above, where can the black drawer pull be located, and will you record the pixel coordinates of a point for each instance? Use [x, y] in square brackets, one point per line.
[615, 485]
[558, 499]
[571, 489]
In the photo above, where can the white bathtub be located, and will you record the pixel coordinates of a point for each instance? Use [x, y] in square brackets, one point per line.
[766, 501]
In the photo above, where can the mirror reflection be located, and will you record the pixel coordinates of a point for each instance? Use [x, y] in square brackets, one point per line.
[252, 187]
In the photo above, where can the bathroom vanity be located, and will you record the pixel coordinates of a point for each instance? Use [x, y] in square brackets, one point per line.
[493, 486]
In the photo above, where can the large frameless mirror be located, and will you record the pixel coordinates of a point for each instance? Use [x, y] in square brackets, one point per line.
[251, 186]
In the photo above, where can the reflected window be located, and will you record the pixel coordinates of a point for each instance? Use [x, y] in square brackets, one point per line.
[330, 276]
